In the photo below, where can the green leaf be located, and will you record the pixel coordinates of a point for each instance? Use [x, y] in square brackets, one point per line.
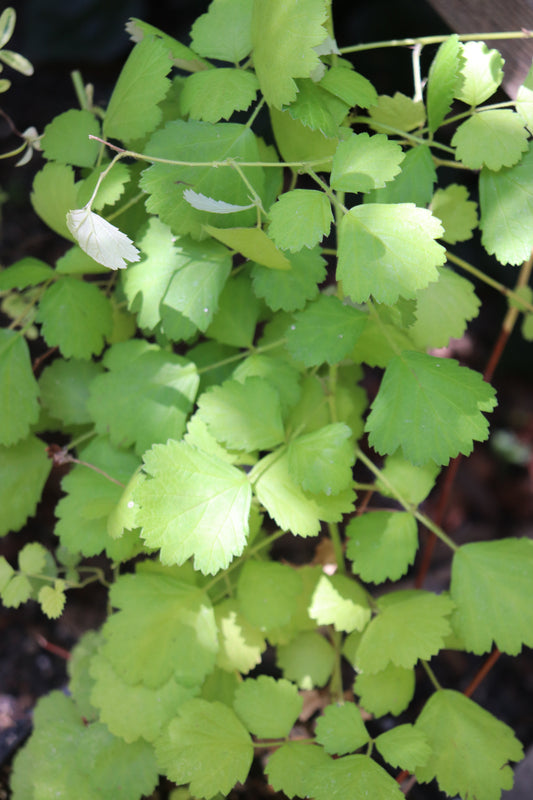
[205, 734]
[224, 32]
[267, 593]
[300, 218]
[308, 660]
[18, 388]
[349, 86]
[24, 468]
[52, 600]
[164, 628]
[76, 262]
[215, 94]
[134, 712]
[32, 558]
[384, 335]
[295, 142]
[145, 399]
[491, 587]
[444, 80]
[341, 729]
[387, 692]
[182, 56]
[133, 108]
[399, 112]
[6, 573]
[268, 707]
[411, 625]
[54, 193]
[443, 310]
[240, 643]
[506, 202]
[470, 748]
[524, 99]
[65, 389]
[413, 483]
[382, 545]
[280, 374]
[283, 36]
[66, 138]
[414, 184]
[201, 142]
[76, 317]
[110, 190]
[388, 251]
[318, 109]
[246, 416]
[28, 271]
[90, 499]
[17, 591]
[237, 330]
[341, 602]
[101, 240]
[80, 682]
[429, 407]
[456, 212]
[481, 71]
[325, 331]
[354, 776]
[404, 747]
[252, 243]
[193, 504]
[494, 139]
[7, 25]
[290, 768]
[322, 461]
[290, 290]
[363, 162]
[287, 503]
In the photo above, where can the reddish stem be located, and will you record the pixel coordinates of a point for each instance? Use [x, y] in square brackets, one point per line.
[53, 648]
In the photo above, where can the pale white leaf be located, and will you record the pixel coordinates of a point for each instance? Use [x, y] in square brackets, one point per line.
[101, 240]
[204, 203]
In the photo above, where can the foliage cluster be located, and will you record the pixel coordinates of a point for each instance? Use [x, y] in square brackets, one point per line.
[210, 322]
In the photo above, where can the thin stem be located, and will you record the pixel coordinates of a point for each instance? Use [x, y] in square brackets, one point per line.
[79, 88]
[241, 355]
[423, 40]
[248, 554]
[525, 306]
[335, 684]
[404, 134]
[330, 194]
[255, 112]
[431, 675]
[126, 206]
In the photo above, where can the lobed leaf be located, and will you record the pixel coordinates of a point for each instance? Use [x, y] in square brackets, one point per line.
[289, 290]
[325, 331]
[223, 32]
[18, 388]
[414, 184]
[341, 729]
[404, 747]
[388, 691]
[481, 71]
[308, 660]
[322, 461]
[362, 163]
[215, 94]
[352, 776]
[382, 545]
[456, 212]
[494, 139]
[339, 601]
[66, 138]
[24, 468]
[268, 707]
[300, 218]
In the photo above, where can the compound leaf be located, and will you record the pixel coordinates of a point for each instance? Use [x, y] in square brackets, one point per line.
[429, 407]
[207, 746]
[388, 251]
[491, 587]
[224, 31]
[382, 545]
[300, 218]
[493, 139]
[470, 748]
[214, 94]
[325, 331]
[444, 80]
[481, 72]
[289, 290]
[66, 138]
[24, 468]
[268, 707]
[18, 388]
[363, 162]
[193, 504]
[341, 729]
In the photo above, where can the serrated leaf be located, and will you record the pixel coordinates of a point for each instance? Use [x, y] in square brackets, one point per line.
[491, 586]
[318, 109]
[65, 389]
[382, 545]
[279, 373]
[524, 99]
[16, 592]
[404, 747]
[233, 329]
[193, 504]
[289, 290]
[268, 707]
[207, 747]
[215, 94]
[384, 335]
[352, 776]
[363, 162]
[32, 558]
[80, 682]
[412, 482]
[201, 142]
[66, 138]
[54, 193]
[283, 36]
[75, 316]
[295, 142]
[444, 80]
[470, 748]
[388, 251]
[76, 262]
[300, 218]
[443, 310]
[399, 112]
[145, 400]
[325, 331]
[308, 660]
[429, 407]
[387, 692]
[456, 212]
[52, 600]
[111, 187]
[414, 184]
[6, 573]
[339, 601]
[322, 461]
[288, 504]
[101, 240]
[351, 87]
[203, 203]
[341, 729]
[26, 272]
[182, 56]
[506, 202]
[224, 31]
[253, 244]
[164, 627]
[494, 139]
[267, 593]
[142, 84]
[411, 625]
[246, 416]
[290, 768]
[24, 468]
[18, 388]
[240, 643]
[481, 71]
